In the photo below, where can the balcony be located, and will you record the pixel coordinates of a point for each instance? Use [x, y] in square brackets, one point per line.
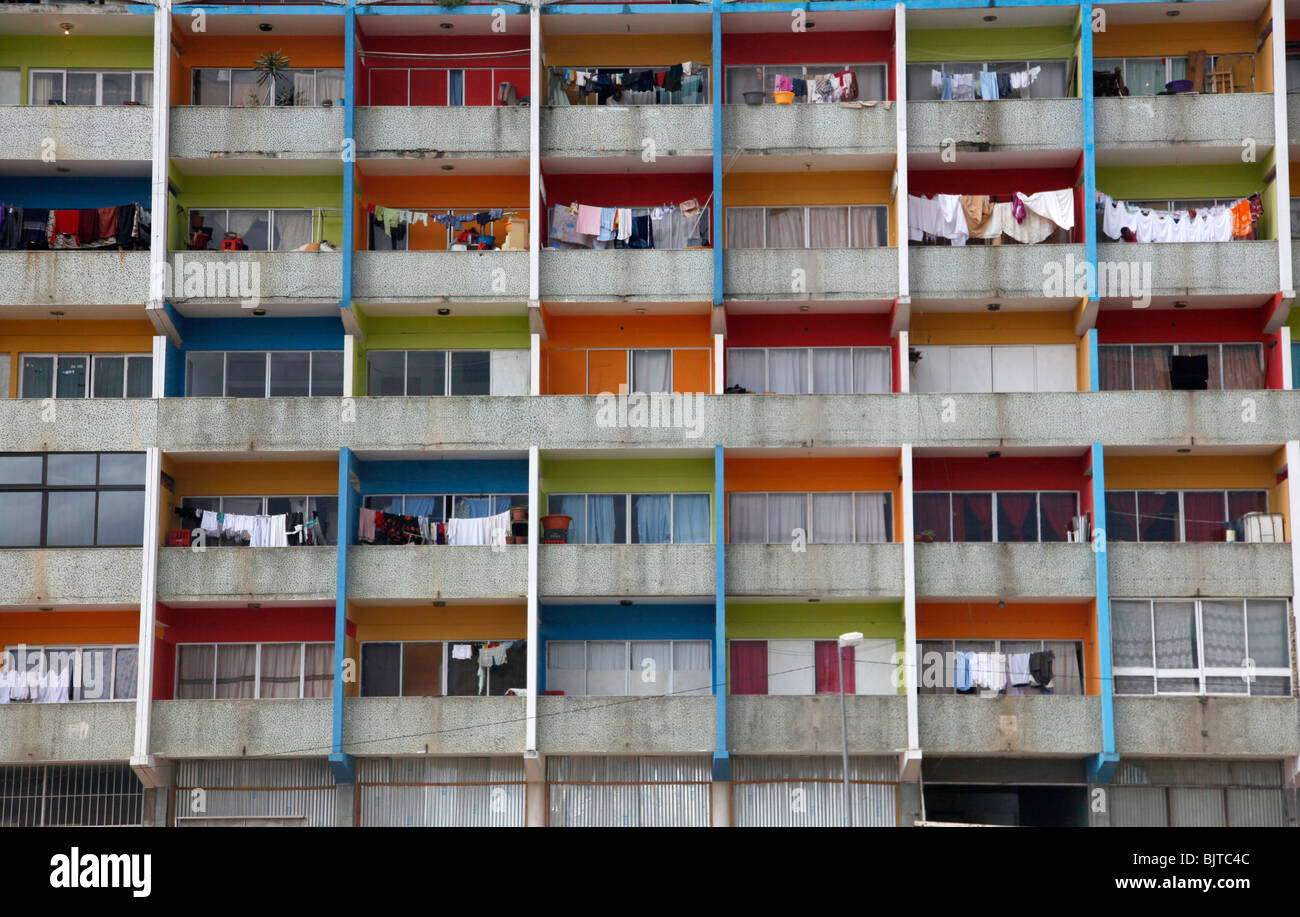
[73, 278]
[400, 132]
[1059, 725]
[627, 275]
[626, 725]
[799, 725]
[1215, 569]
[433, 725]
[1230, 727]
[81, 133]
[241, 728]
[1293, 116]
[1004, 125]
[73, 732]
[426, 572]
[1201, 120]
[436, 277]
[1247, 269]
[837, 274]
[273, 277]
[853, 570]
[984, 570]
[573, 570]
[262, 132]
[623, 130]
[70, 576]
[233, 574]
[803, 130]
[993, 272]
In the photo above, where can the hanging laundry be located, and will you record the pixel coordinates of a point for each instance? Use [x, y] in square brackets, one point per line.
[1057, 206]
[588, 220]
[1040, 667]
[989, 85]
[461, 651]
[978, 209]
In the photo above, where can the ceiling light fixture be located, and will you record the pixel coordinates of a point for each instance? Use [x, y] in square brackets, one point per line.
[640, 311]
[446, 25]
[1184, 451]
[995, 454]
[66, 27]
[1171, 13]
[1180, 304]
[448, 168]
[259, 311]
[994, 306]
[990, 18]
[444, 311]
[265, 26]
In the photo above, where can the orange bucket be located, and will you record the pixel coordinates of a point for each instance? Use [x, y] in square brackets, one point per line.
[783, 98]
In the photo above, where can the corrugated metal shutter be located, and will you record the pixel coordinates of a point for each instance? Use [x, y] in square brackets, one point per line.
[774, 791]
[449, 792]
[1196, 807]
[283, 788]
[1138, 807]
[626, 791]
[1255, 808]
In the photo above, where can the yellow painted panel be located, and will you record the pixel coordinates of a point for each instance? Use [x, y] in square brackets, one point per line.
[626, 50]
[231, 479]
[938, 328]
[44, 336]
[1189, 472]
[1175, 39]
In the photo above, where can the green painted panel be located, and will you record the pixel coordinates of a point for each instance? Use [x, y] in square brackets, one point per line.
[1038, 43]
[431, 332]
[1219, 180]
[324, 191]
[74, 52]
[627, 475]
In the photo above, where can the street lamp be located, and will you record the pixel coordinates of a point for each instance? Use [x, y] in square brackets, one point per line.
[854, 640]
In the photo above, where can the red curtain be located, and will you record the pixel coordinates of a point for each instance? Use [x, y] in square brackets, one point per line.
[972, 517]
[934, 515]
[749, 667]
[828, 667]
[1016, 520]
[1204, 516]
[1241, 502]
[1158, 515]
[1057, 511]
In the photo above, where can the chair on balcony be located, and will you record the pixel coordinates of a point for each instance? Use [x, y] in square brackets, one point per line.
[1108, 84]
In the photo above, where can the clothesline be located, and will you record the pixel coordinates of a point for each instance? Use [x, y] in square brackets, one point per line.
[991, 84]
[393, 528]
[1028, 219]
[1218, 223]
[124, 226]
[443, 55]
[670, 226]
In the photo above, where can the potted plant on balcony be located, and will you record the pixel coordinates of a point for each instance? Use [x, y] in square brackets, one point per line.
[271, 67]
[925, 536]
[555, 528]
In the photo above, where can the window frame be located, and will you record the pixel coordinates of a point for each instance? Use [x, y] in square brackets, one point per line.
[74, 690]
[1132, 363]
[45, 489]
[853, 351]
[99, 83]
[291, 72]
[993, 517]
[883, 66]
[317, 222]
[628, 668]
[628, 495]
[257, 666]
[443, 669]
[705, 72]
[991, 64]
[1079, 645]
[883, 211]
[446, 371]
[1182, 509]
[448, 503]
[92, 359]
[808, 513]
[266, 376]
[1211, 61]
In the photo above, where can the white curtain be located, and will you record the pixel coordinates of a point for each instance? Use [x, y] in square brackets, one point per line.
[1223, 628]
[785, 513]
[651, 668]
[1267, 626]
[318, 679]
[785, 227]
[329, 85]
[828, 227]
[791, 667]
[1175, 626]
[292, 229]
[566, 664]
[195, 665]
[46, 87]
[692, 667]
[832, 370]
[832, 519]
[871, 370]
[1066, 677]
[744, 227]
[236, 665]
[872, 518]
[602, 518]
[866, 227]
[280, 670]
[652, 371]
[747, 368]
[606, 668]
[787, 371]
[748, 518]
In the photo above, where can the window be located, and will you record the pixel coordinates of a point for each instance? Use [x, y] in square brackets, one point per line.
[443, 668]
[441, 507]
[996, 368]
[1148, 76]
[261, 229]
[1178, 515]
[232, 86]
[72, 499]
[807, 227]
[207, 671]
[654, 518]
[91, 87]
[1050, 84]
[694, 91]
[811, 667]
[871, 79]
[629, 668]
[263, 374]
[80, 375]
[447, 372]
[1145, 367]
[938, 656]
[10, 87]
[1201, 646]
[438, 236]
[825, 518]
[816, 370]
[95, 673]
[324, 508]
[1020, 515]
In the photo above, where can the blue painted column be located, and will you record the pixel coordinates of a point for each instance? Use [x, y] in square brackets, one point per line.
[1102, 766]
[1089, 152]
[721, 759]
[343, 765]
[717, 157]
[349, 147]
[1094, 366]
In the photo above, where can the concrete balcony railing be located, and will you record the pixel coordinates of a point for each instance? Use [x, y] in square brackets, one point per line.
[794, 274]
[285, 277]
[856, 570]
[101, 133]
[626, 569]
[436, 132]
[74, 278]
[625, 275]
[74, 732]
[785, 725]
[1006, 124]
[800, 130]
[241, 728]
[426, 572]
[433, 725]
[1213, 569]
[1293, 116]
[627, 130]
[985, 570]
[1057, 725]
[626, 725]
[1230, 727]
[235, 574]
[262, 132]
[1202, 120]
[70, 576]
[992, 272]
[1247, 268]
[434, 277]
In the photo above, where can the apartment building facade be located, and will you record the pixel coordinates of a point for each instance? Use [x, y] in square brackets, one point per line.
[269, 271]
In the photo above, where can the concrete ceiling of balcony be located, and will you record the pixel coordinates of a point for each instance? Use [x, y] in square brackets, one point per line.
[559, 23]
[433, 166]
[1175, 154]
[634, 307]
[980, 304]
[425, 603]
[1002, 159]
[252, 165]
[458, 309]
[417, 26]
[1007, 17]
[622, 165]
[1007, 451]
[632, 453]
[1251, 301]
[825, 21]
[73, 168]
[616, 599]
[183, 606]
[216, 457]
[450, 455]
[802, 162]
[814, 451]
[795, 308]
[57, 608]
[80, 311]
[103, 20]
[1174, 450]
[1206, 11]
[243, 24]
[274, 309]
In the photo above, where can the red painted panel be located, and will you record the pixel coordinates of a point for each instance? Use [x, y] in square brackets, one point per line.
[753, 49]
[1273, 377]
[599, 190]
[428, 87]
[988, 181]
[1010, 473]
[847, 330]
[387, 87]
[478, 87]
[1177, 326]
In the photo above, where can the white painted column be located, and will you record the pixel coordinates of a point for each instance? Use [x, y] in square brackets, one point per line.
[1284, 342]
[1282, 159]
[909, 766]
[719, 364]
[535, 365]
[535, 150]
[905, 364]
[900, 106]
[159, 208]
[144, 764]
[534, 532]
[159, 383]
[349, 364]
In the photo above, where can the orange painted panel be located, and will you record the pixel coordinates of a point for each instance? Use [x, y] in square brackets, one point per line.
[81, 628]
[606, 370]
[567, 371]
[813, 474]
[691, 371]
